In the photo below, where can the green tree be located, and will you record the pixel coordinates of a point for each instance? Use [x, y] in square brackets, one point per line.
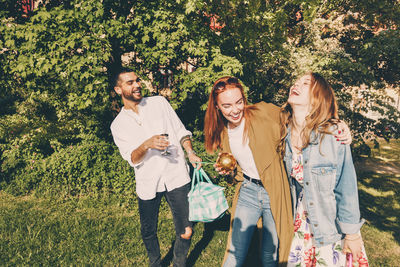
[352, 43]
[57, 62]
[357, 48]
[56, 67]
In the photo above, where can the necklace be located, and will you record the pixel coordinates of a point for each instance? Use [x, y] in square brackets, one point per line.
[135, 116]
[297, 143]
[138, 119]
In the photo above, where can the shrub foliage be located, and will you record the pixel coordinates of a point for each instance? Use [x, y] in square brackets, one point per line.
[56, 63]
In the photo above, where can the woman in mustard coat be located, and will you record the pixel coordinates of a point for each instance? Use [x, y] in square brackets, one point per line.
[251, 134]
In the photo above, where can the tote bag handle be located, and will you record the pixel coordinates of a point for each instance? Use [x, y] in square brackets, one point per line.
[199, 176]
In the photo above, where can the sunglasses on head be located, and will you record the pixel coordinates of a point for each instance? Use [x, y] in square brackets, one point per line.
[222, 84]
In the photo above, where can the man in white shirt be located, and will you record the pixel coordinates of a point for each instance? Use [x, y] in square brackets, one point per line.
[159, 163]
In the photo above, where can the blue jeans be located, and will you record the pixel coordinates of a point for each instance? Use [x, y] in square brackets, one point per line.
[148, 211]
[253, 203]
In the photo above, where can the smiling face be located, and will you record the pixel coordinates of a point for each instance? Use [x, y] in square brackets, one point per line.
[129, 87]
[231, 104]
[300, 92]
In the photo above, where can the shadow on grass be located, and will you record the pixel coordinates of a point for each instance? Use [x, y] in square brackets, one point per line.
[166, 261]
[222, 224]
[252, 258]
[379, 202]
[208, 234]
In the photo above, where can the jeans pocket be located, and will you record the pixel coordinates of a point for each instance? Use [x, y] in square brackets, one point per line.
[247, 194]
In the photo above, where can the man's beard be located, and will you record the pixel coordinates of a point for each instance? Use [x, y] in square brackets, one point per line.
[131, 97]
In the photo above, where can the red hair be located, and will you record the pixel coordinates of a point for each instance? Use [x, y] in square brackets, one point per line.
[214, 121]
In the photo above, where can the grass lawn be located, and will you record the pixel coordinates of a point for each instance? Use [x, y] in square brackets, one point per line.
[105, 230]
[379, 192]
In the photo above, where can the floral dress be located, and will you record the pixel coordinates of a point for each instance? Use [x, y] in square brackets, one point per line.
[303, 252]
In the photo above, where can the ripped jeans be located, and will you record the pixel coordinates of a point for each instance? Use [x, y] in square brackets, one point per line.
[149, 209]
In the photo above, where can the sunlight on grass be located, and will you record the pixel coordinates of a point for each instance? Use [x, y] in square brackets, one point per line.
[379, 191]
[91, 231]
[382, 249]
[386, 159]
[375, 192]
[105, 230]
[64, 232]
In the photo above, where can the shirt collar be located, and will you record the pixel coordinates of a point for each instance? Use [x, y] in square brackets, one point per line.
[136, 116]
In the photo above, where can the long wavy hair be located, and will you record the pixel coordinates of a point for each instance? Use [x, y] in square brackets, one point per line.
[214, 121]
[323, 114]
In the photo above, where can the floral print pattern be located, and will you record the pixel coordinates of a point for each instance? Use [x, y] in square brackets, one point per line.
[297, 168]
[303, 252]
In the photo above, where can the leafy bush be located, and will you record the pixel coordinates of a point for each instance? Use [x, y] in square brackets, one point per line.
[55, 101]
[91, 166]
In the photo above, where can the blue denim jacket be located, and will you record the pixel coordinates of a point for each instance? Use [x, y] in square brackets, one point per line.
[330, 188]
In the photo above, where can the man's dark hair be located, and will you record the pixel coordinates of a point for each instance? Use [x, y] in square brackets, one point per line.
[117, 73]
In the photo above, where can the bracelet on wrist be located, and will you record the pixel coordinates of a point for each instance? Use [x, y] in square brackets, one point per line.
[184, 139]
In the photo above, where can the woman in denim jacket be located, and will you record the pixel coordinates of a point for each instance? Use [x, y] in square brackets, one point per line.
[321, 177]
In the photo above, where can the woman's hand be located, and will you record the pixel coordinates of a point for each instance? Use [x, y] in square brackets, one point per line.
[353, 244]
[344, 133]
[221, 171]
[219, 168]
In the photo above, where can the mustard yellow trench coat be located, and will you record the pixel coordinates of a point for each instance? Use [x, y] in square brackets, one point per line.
[264, 136]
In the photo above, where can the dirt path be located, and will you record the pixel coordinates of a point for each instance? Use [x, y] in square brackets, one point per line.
[378, 165]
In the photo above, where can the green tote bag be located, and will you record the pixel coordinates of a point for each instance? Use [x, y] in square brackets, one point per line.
[207, 201]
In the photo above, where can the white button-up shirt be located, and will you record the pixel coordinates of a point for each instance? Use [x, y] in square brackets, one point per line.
[155, 173]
